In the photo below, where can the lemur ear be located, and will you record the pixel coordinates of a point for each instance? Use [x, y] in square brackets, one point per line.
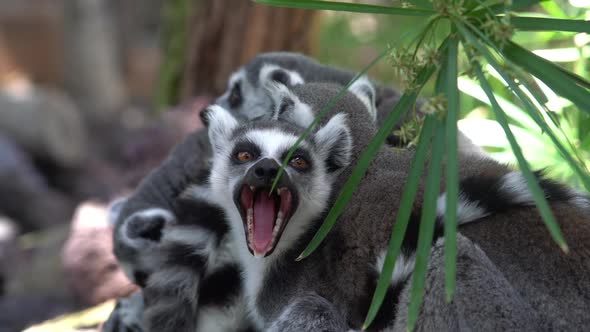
[274, 74]
[364, 90]
[114, 210]
[288, 107]
[221, 125]
[335, 143]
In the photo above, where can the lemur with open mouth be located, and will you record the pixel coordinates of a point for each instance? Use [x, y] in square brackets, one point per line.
[200, 193]
[329, 290]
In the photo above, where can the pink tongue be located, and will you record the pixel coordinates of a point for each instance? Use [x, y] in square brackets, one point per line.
[264, 221]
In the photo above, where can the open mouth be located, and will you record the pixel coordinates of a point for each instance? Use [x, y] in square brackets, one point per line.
[265, 216]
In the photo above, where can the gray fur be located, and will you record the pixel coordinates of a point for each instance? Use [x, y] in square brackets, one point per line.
[185, 164]
[354, 241]
[484, 299]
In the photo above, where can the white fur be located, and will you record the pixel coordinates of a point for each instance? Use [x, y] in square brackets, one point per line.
[143, 214]
[194, 236]
[267, 69]
[221, 124]
[273, 143]
[235, 77]
[404, 266]
[199, 193]
[334, 133]
[467, 211]
[301, 114]
[357, 89]
[227, 319]
[514, 185]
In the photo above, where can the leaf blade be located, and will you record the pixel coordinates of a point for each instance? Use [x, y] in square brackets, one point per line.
[452, 167]
[531, 181]
[401, 220]
[427, 221]
[347, 7]
[549, 24]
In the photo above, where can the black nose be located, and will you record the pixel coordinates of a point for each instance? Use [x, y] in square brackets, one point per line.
[266, 170]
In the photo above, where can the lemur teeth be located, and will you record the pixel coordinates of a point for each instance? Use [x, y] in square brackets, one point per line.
[250, 224]
[252, 188]
[277, 227]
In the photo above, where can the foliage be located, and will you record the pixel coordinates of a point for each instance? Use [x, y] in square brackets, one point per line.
[175, 32]
[470, 37]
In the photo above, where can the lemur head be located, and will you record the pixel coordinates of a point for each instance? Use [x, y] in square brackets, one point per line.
[246, 160]
[246, 96]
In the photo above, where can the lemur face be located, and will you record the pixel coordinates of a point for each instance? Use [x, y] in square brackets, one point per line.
[246, 160]
[247, 97]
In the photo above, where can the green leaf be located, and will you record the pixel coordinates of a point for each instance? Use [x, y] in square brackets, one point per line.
[452, 172]
[549, 24]
[533, 112]
[536, 191]
[550, 74]
[427, 221]
[502, 7]
[347, 7]
[401, 219]
[320, 116]
[406, 101]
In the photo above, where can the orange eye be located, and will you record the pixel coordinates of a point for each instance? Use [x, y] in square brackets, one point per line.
[299, 163]
[244, 156]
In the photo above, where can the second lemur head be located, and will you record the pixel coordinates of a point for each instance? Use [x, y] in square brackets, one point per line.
[246, 160]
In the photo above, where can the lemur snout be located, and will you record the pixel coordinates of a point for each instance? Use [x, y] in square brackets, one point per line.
[266, 170]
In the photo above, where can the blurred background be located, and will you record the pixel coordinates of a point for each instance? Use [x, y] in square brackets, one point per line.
[95, 93]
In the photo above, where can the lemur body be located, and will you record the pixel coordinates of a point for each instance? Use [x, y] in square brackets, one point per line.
[329, 290]
[360, 138]
[141, 219]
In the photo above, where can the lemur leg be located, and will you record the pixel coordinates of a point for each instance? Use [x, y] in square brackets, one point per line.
[309, 313]
[127, 315]
[484, 299]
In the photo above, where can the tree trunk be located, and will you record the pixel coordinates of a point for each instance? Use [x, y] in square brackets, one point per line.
[93, 72]
[225, 34]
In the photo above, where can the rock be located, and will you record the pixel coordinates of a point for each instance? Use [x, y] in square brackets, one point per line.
[90, 267]
[26, 197]
[8, 250]
[44, 122]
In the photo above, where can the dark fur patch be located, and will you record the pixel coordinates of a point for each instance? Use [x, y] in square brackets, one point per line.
[554, 191]
[410, 243]
[281, 76]
[221, 287]
[202, 214]
[487, 192]
[149, 228]
[178, 254]
[235, 96]
[388, 308]
[140, 278]
[286, 104]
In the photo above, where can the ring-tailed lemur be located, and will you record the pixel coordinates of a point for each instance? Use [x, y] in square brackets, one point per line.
[148, 210]
[328, 289]
[141, 219]
[505, 188]
[175, 248]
